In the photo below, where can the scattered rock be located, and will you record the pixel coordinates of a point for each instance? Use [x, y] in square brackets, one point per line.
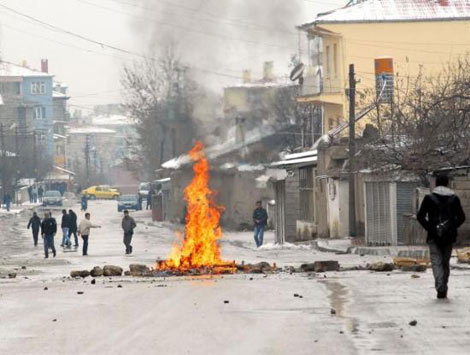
[127, 273]
[415, 276]
[119, 286]
[381, 267]
[413, 323]
[79, 273]
[463, 255]
[112, 270]
[93, 282]
[80, 292]
[300, 296]
[296, 295]
[45, 288]
[414, 268]
[341, 332]
[320, 266]
[12, 275]
[226, 301]
[54, 320]
[23, 267]
[333, 311]
[138, 268]
[251, 279]
[96, 271]
[259, 268]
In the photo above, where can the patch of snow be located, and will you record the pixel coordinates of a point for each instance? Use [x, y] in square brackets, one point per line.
[290, 246]
[11, 69]
[91, 130]
[112, 120]
[248, 167]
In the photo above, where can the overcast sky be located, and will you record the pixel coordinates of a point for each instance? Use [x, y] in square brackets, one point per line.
[219, 37]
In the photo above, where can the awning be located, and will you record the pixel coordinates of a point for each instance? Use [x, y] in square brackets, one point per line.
[64, 170]
[297, 160]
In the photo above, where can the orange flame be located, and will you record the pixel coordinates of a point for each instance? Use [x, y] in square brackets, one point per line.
[202, 231]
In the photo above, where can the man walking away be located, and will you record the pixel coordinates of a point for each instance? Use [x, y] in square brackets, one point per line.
[40, 193]
[35, 224]
[149, 199]
[84, 231]
[84, 203]
[73, 227]
[48, 231]
[260, 218]
[30, 194]
[441, 215]
[65, 225]
[128, 225]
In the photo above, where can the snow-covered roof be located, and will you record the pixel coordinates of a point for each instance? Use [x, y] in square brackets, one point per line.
[298, 159]
[91, 130]
[259, 84]
[10, 69]
[111, 120]
[7, 153]
[59, 95]
[397, 10]
[64, 170]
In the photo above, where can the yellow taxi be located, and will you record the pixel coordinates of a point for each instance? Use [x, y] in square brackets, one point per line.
[101, 192]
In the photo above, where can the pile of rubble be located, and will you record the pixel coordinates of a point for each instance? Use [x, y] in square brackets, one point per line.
[463, 255]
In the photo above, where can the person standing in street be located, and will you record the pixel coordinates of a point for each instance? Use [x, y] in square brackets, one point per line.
[128, 224]
[35, 224]
[441, 214]
[7, 201]
[149, 199]
[40, 193]
[30, 194]
[35, 194]
[48, 231]
[73, 227]
[84, 203]
[260, 219]
[65, 225]
[84, 231]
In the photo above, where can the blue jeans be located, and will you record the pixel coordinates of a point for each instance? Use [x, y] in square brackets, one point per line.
[259, 233]
[7, 206]
[48, 243]
[85, 244]
[65, 236]
[440, 260]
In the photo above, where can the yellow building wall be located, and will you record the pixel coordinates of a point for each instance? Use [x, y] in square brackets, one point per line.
[235, 98]
[414, 46]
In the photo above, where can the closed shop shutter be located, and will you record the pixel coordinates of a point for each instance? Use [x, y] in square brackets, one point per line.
[378, 217]
[280, 212]
[405, 198]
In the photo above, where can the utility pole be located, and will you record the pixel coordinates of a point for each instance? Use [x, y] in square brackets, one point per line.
[87, 158]
[17, 153]
[35, 160]
[352, 151]
[3, 167]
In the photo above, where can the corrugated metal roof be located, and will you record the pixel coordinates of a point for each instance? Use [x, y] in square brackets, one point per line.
[397, 10]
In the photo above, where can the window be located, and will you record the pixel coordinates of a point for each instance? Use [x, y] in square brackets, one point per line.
[335, 60]
[328, 68]
[38, 87]
[39, 113]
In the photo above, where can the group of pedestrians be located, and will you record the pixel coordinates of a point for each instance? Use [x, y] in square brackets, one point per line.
[47, 228]
[35, 193]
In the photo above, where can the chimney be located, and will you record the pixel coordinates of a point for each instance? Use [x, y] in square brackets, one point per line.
[268, 72]
[246, 77]
[443, 2]
[45, 65]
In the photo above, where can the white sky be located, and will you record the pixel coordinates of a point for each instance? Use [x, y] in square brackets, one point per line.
[92, 72]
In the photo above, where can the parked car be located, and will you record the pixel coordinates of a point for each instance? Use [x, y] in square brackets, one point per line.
[101, 192]
[128, 202]
[144, 189]
[52, 198]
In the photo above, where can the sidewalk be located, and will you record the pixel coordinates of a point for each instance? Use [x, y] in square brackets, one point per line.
[345, 246]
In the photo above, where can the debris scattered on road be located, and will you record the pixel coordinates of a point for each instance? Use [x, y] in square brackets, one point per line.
[112, 270]
[333, 311]
[12, 275]
[80, 292]
[381, 267]
[463, 255]
[79, 273]
[23, 267]
[226, 301]
[415, 276]
[96, 271]
[411, 264]
[93, 282]
[296, 295]
[321, 266]
[413, 323]
[54, 320]
[119, 286]
[45, 288]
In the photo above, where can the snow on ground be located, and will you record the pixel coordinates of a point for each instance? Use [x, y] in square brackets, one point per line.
[189, 315]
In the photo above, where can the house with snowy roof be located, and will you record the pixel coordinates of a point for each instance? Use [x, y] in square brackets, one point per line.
[417, 35]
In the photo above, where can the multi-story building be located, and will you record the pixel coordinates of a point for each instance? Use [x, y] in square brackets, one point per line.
[420, 36]
[28, 104]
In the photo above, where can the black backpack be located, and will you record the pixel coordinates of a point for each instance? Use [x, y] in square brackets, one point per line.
[445, 225]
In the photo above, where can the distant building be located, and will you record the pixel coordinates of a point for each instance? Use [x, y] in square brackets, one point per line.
[28, 103]
[61, 118]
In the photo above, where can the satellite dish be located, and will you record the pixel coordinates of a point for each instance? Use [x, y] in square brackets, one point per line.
[297, 72]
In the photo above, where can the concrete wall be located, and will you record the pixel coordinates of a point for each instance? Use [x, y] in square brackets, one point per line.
[292, 205]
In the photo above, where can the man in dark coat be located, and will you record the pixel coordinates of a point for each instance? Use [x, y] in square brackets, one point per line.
[65, 225]
[48, 231]
[35, 224]
[260, 219]
[441, 214]
[73, 227]
[128, 224]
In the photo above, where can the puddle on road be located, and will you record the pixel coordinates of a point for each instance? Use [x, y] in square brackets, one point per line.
[337, 296]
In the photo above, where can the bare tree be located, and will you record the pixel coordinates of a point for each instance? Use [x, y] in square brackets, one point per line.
[159, 96]
[426, 127]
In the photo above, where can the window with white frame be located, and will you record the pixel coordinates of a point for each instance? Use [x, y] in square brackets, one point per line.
[328, 63]
[39, 113]
[38, 87]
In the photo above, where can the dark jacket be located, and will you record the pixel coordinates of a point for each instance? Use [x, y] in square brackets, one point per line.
[128, 224]
[49, 226]
[429, 212]
[35, 223]
[73, 222]
[260, 214]
[65, 221]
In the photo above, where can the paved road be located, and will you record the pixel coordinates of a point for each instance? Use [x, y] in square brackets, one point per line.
[189, 316]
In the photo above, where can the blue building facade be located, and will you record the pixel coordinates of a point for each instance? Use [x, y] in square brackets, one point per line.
[37, 93]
